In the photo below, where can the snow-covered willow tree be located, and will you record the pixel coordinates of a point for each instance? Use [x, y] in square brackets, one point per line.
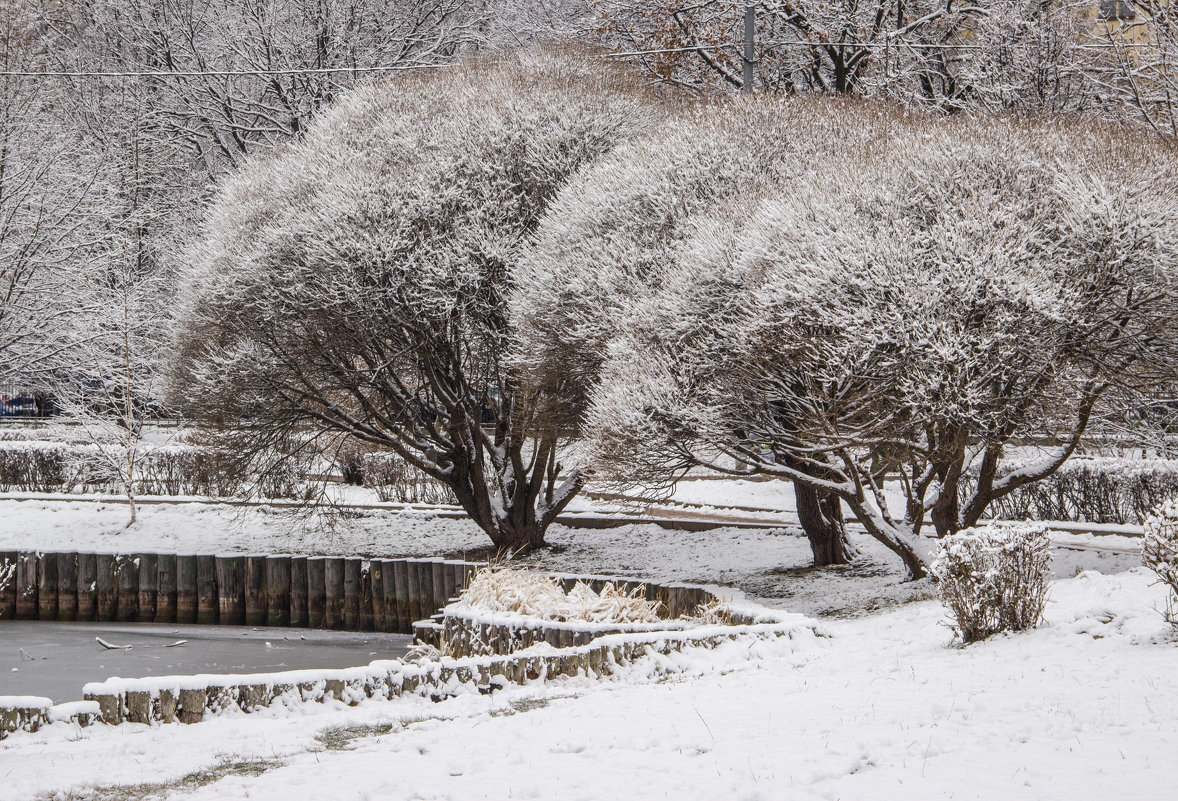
[916, 302]
[354, 282]
[615, 233]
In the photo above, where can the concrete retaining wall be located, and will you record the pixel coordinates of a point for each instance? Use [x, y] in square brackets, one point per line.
[192, 699]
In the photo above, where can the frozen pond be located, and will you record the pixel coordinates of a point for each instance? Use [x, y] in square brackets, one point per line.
[56, 659]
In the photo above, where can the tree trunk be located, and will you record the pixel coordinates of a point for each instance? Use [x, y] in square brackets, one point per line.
[821, 516]
[945, 512]
[514, 529]
[518, 540]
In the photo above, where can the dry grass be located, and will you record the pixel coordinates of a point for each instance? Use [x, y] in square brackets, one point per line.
[713, 613]
[527, 592]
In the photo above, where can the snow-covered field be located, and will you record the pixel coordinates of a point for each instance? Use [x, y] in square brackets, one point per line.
[1082, 708]
[887, 707]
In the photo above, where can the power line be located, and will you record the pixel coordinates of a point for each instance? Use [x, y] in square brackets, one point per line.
[662, 50]
[216, 73]
[898, 43]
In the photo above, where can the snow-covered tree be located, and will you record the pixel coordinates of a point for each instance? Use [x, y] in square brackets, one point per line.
[46, 208]
[355, 281]
[914, 301]
[619, 231]
[227, 91]
[115, 330]
[1011, 54]
[1142, 36]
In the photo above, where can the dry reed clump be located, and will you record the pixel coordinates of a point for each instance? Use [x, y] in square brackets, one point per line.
[526, 592]
[713, 613]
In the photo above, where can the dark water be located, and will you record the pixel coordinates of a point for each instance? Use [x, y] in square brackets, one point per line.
[58, 658]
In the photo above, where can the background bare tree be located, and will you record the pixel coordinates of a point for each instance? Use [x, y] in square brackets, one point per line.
[1080, 57]
[47, 218]
[1142, 36]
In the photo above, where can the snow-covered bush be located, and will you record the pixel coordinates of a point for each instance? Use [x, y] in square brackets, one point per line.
[526, 592]
[1160, 551]
[994, 578]
[394, 479]
[1096, 490]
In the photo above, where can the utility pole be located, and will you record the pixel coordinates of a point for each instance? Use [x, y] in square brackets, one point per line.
[750, 22]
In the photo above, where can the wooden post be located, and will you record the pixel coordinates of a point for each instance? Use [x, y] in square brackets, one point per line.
[26, 586]
[278, 591]
[165, 588]
[231, 590]
[389, 575]
[87, 587]
[366, 614]
[108, 592]
[206, 590]
[8, 585]
[47, 586]
[67, 586]
[316, 592]
[333, 585]
[186, 602]
[421, 591]
[352, 569]
[453, 574]
[438, 579]
[376, 588]
[413, 592]
[403, 601]
[148, 586]
[298, 591]
[128, 582]
[255, 590]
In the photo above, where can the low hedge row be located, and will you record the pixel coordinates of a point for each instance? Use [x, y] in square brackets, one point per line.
[1094, 490]
[48, 466]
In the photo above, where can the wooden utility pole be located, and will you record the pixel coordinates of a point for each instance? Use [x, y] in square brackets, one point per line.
[750, 22]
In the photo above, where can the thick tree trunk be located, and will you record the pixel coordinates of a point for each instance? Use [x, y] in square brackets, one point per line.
[516, 540]
[821, 516]
[945, 512]
[514, 512]
[513, 531]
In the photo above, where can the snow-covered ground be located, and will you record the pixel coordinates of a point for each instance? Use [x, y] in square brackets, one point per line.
[888, 707]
